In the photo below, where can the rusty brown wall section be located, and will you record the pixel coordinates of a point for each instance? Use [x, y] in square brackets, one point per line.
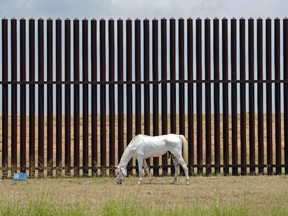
[83, 88]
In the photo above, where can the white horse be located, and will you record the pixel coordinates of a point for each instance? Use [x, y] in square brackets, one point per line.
[143, 146]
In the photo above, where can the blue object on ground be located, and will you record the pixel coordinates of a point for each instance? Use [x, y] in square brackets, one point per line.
[19, 176]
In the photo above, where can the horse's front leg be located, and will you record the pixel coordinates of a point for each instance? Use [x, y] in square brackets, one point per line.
[140, 161]
[175, 161]
[147, 170]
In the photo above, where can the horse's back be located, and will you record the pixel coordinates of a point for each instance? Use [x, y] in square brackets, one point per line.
[167, 138]
[172, 138]
[149, 146]
[152, 146]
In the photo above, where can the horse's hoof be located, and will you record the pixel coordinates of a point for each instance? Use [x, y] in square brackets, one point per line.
[139, 182]
[187, 183]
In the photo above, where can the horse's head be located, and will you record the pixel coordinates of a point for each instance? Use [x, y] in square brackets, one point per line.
[121, 173]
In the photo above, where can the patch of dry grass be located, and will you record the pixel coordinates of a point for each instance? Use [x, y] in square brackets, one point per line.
[260, 195]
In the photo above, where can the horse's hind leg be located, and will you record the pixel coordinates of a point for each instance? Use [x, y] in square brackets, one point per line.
[175, 161]
[185, 168]
[147, 170]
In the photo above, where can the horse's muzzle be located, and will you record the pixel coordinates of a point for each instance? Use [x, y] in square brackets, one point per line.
[119, 181]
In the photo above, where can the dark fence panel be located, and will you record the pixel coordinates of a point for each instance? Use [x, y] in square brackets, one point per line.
[137, 75]
[190, 96]
[269, 97]
[111, 97]
[129, 86]
[103, 95]
[120, 89]
[58, 97]
[260, 95]
[285, 62]
[155, 73]
[76, 97]
[234, 98]
[41, 163]
[216, 67]
[277, 94]
[68, 98]
[4, 129]
[172, 78]
[23, 95]
[243, 95]
[85, 94]
[138, 68]
[32, 101]
[199, 96]
[164, 87]
[146, 73]
[49, 101]
[251, 96]
[14, 96]
[181, 76]
[94, 139]
[225, 96]
[208, 96]
[148, 83]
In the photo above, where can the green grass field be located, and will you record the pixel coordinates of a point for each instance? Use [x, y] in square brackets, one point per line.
[248, 195]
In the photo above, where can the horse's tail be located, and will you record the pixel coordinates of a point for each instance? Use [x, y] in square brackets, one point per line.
[184, 148]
